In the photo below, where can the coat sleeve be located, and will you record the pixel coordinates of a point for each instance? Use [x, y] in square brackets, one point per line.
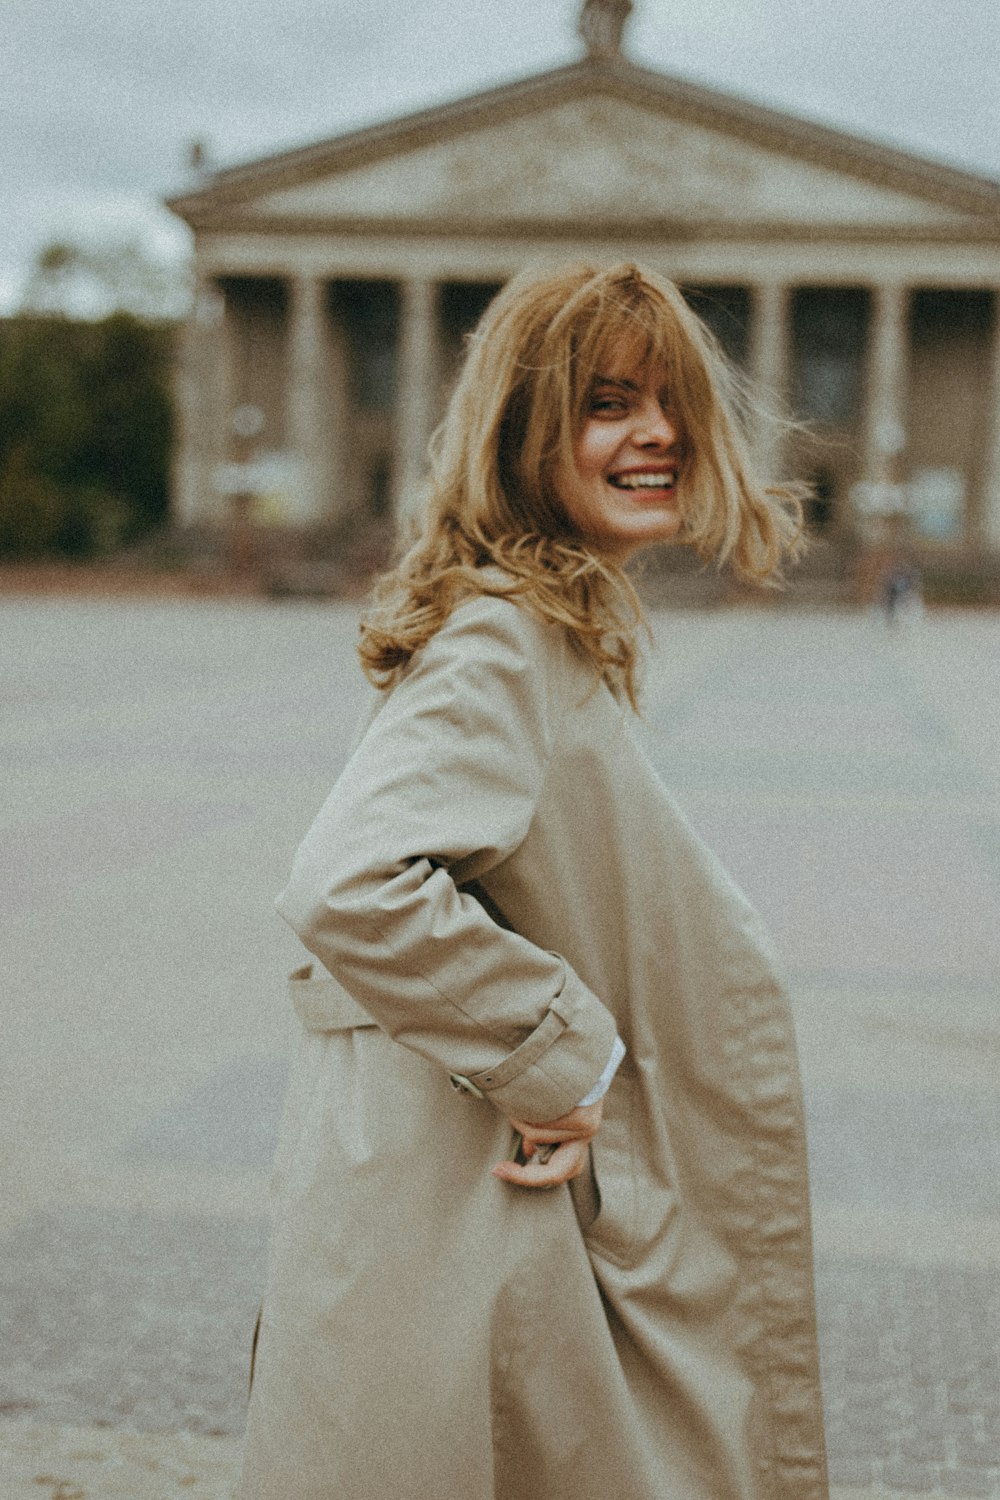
[442, 788]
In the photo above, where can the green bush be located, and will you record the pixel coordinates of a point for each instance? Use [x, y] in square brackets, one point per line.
[85, 432]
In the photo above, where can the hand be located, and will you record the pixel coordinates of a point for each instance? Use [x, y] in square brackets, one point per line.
[555, 1151]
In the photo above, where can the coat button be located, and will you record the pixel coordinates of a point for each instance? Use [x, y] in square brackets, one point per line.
[465, 1085]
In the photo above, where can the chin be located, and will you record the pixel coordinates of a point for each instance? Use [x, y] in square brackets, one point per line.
[667, 531]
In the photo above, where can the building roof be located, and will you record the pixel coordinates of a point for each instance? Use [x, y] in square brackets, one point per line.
[956, 201]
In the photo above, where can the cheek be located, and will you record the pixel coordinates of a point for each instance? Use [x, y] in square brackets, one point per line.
[566, 491]
[593, 450]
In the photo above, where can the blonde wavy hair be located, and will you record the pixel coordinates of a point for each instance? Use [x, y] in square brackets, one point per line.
[510, 427]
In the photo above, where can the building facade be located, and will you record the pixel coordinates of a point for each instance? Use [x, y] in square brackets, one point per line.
[858, 284]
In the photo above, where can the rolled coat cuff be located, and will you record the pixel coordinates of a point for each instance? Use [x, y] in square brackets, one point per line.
[607, 1077]
[558, 1063]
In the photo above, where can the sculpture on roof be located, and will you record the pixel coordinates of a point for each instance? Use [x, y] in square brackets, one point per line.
[601, 25]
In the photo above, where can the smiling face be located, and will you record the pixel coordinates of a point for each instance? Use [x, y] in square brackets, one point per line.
[621, 493]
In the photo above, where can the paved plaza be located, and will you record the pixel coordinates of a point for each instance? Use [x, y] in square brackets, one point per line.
[160, 762]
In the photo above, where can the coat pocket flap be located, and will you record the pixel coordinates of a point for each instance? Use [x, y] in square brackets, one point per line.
[323, 1004]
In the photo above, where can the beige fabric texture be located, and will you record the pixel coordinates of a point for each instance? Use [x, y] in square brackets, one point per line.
[497, 882]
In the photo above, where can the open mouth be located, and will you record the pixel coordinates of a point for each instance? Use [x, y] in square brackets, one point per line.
[661, 479]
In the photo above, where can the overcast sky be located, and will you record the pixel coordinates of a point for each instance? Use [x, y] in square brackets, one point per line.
[101, 98]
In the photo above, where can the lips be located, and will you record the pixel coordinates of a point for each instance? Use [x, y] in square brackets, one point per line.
[644, 479]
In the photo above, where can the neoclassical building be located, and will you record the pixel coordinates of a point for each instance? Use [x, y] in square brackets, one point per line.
[335, 284]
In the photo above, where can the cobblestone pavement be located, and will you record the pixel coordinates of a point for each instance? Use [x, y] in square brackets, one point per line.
[144, 1323]
[160, 763]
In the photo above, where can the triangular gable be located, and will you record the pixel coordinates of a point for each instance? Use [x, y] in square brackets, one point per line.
[602, 145]
[599, 159]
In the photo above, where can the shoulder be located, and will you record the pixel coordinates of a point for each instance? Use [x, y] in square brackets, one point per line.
[492, 669]
[496, 631]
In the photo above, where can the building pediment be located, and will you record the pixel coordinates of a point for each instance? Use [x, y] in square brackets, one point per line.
[600, 145]
[599, 159]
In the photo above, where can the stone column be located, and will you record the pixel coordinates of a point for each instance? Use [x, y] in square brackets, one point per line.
[199, 386]
[769, 368]
[306, 409]
[990, 498]
[885, 388]
[416, 399]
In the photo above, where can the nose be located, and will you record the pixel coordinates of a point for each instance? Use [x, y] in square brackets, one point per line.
[655, 427]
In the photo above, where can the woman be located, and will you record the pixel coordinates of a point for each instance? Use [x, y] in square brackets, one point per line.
[542, 1223]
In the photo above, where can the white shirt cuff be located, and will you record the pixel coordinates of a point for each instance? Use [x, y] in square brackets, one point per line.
[604, 1082]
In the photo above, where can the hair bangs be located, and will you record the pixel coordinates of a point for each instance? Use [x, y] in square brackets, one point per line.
[633, 323]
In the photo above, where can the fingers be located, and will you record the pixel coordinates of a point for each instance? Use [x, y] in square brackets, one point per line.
[530, 1145]
[579, 1124]
[530, 1149]
[545, 1171]
[536, 1138]
[555, 1132]
[552, 1152]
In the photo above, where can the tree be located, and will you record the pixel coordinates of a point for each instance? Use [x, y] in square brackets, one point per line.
[85, 429]
[95, 280]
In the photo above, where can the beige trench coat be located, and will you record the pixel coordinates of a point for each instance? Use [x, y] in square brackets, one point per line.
[499, 883]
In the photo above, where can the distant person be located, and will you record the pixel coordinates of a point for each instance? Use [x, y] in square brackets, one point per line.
[541, 1225]
[900, 592]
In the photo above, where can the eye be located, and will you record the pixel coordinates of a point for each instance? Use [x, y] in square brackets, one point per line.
[607, 405]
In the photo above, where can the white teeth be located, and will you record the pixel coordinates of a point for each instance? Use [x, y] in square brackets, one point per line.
[645, 481]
